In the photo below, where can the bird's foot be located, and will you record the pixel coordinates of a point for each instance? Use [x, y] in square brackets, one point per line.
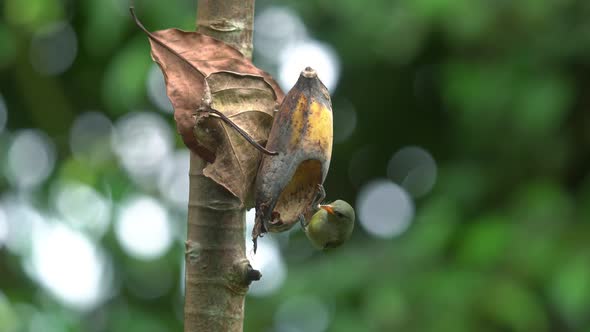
[320, 196]
[258, 230]
[302, 221]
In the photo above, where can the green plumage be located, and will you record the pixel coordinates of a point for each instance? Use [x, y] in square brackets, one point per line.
[330, 229]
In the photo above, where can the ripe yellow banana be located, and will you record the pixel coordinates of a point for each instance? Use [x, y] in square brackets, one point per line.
[287, 184]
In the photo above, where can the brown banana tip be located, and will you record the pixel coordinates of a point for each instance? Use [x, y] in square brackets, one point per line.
[309, 72]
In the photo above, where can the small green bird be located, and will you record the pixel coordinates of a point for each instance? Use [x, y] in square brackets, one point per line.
[331, 225]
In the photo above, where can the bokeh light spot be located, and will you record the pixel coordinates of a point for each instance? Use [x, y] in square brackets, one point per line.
[274, 29]
[67, 264]
[156, 90]
[321, 57]
[31, 158]
[142, 141]
[268, 260]
[143, 228]
[414, 169]
[90, 137]
[20, 220]
[173, 182]
[54, 48]
[83, 208]
[384, 209]
[302, 314]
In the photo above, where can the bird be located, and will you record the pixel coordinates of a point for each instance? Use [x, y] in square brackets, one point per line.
[330, 226]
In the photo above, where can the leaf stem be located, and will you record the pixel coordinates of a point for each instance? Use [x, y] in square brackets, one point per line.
[239, 130]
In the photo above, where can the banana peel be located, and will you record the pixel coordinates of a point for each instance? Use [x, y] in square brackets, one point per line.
[287, 184]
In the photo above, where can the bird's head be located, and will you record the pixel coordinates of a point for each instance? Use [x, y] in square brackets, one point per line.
[340, 210]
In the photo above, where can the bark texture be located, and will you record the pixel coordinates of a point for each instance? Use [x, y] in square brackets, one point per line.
[216, 264]
[231, 21]
[217, 271]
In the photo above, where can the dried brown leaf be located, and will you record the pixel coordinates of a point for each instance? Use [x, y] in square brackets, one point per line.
[251, 109]
[204, 73]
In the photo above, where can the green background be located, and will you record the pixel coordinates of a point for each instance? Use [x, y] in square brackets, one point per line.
[497, 92]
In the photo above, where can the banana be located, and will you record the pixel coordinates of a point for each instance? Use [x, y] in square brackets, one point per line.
[288, 184]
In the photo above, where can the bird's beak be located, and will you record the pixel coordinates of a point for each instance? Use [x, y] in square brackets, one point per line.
[327, 208]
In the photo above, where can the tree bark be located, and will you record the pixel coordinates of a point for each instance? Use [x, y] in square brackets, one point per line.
[231, 21]
[217, 271]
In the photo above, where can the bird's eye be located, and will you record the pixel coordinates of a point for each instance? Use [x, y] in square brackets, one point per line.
[338, 214]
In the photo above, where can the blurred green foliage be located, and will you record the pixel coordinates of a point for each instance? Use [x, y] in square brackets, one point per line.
[496, 91]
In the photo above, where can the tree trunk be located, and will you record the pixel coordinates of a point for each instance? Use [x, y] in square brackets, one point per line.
[231, 21]
[217, 271]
